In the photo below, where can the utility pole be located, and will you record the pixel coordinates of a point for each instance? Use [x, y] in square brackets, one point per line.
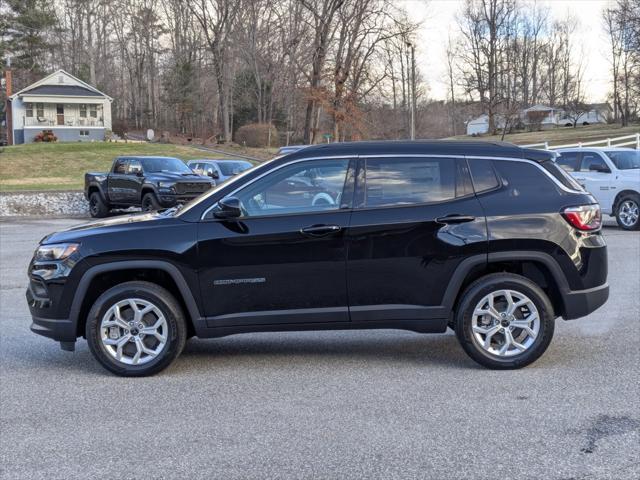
[412, 96]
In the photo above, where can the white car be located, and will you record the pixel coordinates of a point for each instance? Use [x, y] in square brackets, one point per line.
[612, 175]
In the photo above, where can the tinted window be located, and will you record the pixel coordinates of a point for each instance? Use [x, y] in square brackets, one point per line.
[625, 159]
[120, 166]
[483, 175]
[568, 161]
[302, 187]
[590, 160]
[134, 167]
[561, 175]
[524, 182]
[406, 181]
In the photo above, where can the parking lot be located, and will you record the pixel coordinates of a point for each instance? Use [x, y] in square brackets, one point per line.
[371, 404]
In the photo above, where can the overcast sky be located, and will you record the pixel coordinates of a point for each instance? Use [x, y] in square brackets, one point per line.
[438, 17]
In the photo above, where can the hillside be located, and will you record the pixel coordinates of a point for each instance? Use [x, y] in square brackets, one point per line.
[561, 135]
[61, 166]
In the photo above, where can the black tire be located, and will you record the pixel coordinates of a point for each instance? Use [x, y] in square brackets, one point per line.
[633, 199]
[475, 292]
[176, 330]
[150, 203]
[98, 208]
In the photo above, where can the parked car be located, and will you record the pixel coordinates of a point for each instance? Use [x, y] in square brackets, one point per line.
[148, 182]
[494, 241]
[3, 140]
[612, 175]
[219, 169]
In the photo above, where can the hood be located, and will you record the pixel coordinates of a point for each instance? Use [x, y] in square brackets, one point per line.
[78, 232]
[177, 177]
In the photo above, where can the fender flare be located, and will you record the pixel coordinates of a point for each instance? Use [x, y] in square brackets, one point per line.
[460, 274]
[169, 268]
[101, 191]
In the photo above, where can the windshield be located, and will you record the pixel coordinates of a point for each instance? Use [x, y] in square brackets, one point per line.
[625, 159]
[164, 164]
[233, 168]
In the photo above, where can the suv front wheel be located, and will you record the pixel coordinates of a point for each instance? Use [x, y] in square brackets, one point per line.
[136, 329]
[504, 321]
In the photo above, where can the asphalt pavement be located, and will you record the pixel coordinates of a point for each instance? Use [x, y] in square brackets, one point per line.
[324, 405]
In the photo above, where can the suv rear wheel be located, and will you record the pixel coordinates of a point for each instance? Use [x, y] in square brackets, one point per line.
[504, 321]
[628, 212]
[136, 329]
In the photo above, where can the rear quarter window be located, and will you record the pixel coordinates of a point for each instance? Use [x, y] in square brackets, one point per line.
[524, 181]
[561, 175]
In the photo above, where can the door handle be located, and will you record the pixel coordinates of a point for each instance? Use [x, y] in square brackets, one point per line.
[455, 219]
[319, 230]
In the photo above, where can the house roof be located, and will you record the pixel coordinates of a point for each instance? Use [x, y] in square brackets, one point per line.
[67, 90]
[48, 82]
[539, 108]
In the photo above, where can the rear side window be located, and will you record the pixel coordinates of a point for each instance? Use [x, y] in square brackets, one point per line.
[483, 175]
[591, 161]
[568, 161]
[561, 175]
[407, 181]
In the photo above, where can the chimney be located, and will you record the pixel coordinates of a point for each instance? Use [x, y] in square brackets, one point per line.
[9, 90]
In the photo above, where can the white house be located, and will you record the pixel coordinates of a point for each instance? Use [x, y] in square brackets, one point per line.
[545, 117]
[72, 109]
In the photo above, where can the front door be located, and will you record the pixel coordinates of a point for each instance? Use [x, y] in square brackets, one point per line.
[117, 181]
[415, 219]
[60, 114]
[596, 177]
[284, 260]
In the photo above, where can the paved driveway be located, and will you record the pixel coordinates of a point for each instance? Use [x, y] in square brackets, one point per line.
[363, 405]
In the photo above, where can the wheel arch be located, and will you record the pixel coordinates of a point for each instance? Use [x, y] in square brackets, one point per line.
[100, 278]
[619, 196]
[538, 267]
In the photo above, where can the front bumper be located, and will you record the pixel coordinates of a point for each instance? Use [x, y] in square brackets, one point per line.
[581, 303]
[60, 329]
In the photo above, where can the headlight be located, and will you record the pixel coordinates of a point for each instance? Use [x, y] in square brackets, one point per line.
[58, 251]
[166, 185]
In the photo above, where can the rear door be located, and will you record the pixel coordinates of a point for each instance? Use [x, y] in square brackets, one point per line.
[415, 219]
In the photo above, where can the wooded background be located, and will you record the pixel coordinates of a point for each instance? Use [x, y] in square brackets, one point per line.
[314, 68]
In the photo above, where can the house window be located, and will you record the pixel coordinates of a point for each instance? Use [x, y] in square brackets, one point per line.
[93, 111]
[40, 110]
[29, 109]
[83, 110]
[84, 133]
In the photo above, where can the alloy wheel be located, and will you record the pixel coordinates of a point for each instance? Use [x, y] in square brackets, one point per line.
[505, 323]
[629, 213]
[134, 331]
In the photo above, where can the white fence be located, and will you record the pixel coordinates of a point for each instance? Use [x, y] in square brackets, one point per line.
[626, 141]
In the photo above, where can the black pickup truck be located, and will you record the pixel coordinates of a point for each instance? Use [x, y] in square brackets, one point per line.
[148, 182]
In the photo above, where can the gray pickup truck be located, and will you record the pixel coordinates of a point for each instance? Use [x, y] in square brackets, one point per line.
[152, 183]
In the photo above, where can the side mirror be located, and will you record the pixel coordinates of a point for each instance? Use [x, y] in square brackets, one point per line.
[599, 168]
[213, 174]
[229, 208]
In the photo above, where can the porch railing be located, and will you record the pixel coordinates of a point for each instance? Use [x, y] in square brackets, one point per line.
[68, 122]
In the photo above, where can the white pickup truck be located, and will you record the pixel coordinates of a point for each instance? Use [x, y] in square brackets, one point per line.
[612, 175]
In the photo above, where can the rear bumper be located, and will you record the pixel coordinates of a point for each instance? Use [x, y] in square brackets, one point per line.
[581, 303]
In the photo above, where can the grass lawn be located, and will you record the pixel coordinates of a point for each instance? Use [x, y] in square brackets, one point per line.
[561, 135]
[61, 166]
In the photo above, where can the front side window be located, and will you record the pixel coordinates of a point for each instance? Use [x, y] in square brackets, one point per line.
[568, 161]
[407, 181]
[121, 166]
[304, 187]
[625, 159]
[591, 162]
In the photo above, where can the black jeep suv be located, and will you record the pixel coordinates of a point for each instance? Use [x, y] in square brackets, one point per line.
[492, 240]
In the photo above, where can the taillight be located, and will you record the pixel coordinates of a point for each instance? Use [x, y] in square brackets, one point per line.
[584, 217]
